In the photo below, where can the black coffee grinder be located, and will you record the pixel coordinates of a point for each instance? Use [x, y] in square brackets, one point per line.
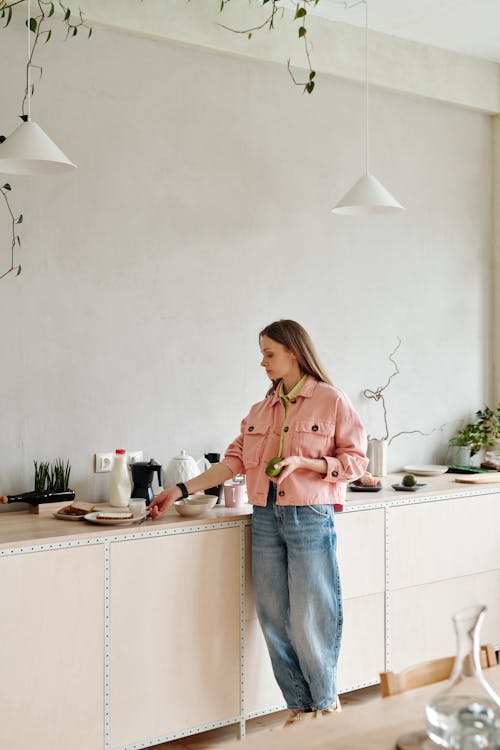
[142, 475]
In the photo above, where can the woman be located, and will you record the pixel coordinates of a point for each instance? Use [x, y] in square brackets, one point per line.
[307, 433]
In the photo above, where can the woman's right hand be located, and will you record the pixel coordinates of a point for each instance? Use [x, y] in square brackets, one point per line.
[163, 501]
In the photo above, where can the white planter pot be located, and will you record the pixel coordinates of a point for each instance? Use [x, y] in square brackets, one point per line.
[458, 455]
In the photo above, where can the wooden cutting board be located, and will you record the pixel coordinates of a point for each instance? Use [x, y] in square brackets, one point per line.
[491, 477]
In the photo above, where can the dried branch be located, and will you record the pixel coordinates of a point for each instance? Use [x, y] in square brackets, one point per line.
[378, 393]
[411, 432]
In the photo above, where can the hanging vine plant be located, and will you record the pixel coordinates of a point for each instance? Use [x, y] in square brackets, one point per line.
[276, 10]
[41, 25]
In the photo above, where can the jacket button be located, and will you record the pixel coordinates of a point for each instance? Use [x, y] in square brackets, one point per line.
[315, 428]
[286, 429]
[250, 429]
[335, 473]
[281, 493]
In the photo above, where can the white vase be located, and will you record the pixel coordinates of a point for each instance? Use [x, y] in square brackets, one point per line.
[377, 454]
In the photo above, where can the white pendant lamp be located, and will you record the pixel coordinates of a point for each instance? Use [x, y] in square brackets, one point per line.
[368, 195]
[28, 150]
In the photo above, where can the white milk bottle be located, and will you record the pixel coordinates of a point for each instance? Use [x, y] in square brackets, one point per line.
[120, 487]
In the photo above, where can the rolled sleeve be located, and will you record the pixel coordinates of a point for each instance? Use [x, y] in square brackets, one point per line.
[349, 461]
[233, 457]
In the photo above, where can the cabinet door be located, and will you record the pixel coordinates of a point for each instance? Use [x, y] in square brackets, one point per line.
[262, 694]
[443, 539]
[362, 653]
[52, 649]
[175, 633]
[420, 623]
[361, 552]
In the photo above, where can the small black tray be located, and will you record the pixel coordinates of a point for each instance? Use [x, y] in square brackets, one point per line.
[360, 488]
[402, 488]
[468, 470]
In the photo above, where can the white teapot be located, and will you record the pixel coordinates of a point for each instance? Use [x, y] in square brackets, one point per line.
[183, 467]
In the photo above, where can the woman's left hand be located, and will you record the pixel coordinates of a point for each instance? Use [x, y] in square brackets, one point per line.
[292, 463]
[288, 465]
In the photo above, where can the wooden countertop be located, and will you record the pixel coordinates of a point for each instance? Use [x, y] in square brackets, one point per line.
[25, 529]
[440, 487]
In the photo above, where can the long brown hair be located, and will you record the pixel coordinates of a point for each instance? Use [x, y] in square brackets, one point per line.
[295, 338]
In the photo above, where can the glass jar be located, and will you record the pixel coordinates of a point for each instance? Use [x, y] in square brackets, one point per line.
[467, 709]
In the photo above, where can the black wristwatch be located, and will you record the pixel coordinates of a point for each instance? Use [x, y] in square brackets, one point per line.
[183, 489]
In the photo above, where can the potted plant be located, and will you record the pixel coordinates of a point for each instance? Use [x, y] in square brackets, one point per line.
[51, 485]
[483, 433]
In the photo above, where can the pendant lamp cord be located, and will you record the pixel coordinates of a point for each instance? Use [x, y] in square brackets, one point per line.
[28, 64]
[348, 4]
[367, 111]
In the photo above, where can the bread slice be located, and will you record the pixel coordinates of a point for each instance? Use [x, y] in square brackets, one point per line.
[77, 509]
[86, 507]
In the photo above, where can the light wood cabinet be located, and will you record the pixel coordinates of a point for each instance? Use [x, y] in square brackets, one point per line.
[175, 634]
[52, 650]
[441, 557]
[126, 640]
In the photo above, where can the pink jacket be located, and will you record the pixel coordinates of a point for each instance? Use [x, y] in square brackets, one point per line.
[321, 424]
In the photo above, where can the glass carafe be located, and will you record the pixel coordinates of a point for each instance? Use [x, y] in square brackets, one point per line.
[466, 698]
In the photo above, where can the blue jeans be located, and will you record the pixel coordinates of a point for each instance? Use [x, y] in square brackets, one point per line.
[298, 598]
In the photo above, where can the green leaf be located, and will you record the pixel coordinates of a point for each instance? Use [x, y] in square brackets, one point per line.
[18, 240]
[51, 11]
[75, 31]
[90, 32]
[67, 14]
[33, 25]
[48, 36]
[19, 219]
[300, 13]
[302, 31]
[2, 138]
[18, 270]
[312, 74]
[309, 87]
[7, 186]
[24, 118]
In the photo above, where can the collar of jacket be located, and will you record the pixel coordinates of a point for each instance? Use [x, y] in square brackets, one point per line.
[306, 391]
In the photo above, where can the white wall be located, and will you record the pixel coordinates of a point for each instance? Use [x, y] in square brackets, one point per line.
[201, 212]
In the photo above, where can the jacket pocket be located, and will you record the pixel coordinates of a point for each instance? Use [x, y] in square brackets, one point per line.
[254, 438]
[313, 438]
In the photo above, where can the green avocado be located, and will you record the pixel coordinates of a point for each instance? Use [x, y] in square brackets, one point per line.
[409, 480]
[271, 471]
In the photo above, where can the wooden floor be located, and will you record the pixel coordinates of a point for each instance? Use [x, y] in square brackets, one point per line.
[217, 738]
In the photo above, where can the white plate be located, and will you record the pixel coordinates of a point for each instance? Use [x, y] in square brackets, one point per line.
[66, 517]
[426, 470]
[92, 517]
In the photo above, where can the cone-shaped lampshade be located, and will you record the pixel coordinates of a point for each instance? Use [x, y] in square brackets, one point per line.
[367, 196]
[28, 150]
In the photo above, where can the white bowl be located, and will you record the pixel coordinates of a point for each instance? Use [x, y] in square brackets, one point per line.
[201, 499]
[195, 505]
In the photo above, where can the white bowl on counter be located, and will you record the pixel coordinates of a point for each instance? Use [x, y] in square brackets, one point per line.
[195, 505]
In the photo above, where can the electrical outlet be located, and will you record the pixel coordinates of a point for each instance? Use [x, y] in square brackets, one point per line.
[134, 456]
[104, 462]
